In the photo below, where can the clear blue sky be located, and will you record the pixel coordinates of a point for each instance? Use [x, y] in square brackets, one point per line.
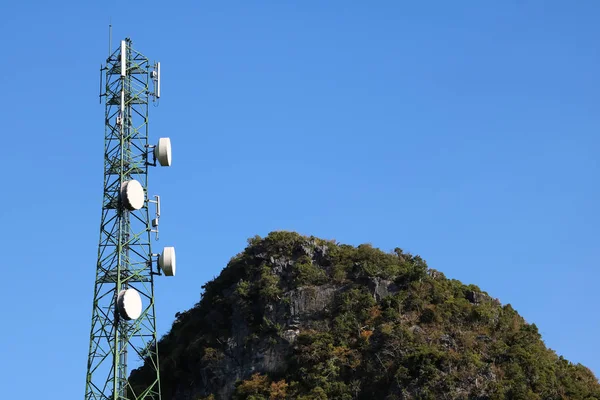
[466, 132]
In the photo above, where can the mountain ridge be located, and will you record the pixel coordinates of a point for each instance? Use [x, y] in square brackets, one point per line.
[301, 317]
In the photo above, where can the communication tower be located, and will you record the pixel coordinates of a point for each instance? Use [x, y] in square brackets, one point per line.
[123, 318]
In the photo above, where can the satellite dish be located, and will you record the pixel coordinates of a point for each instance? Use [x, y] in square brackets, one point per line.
[166, 261]
[132, 195]
[162, 152]
[129, 304]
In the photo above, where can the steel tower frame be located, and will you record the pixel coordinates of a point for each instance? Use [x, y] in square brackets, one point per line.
[125, 258]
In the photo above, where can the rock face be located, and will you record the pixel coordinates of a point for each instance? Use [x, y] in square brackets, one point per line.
[382, 288]
[477, 297]
[297, 317]
[307, 301]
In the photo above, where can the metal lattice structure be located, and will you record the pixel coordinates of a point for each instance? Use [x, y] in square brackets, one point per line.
[125, 258]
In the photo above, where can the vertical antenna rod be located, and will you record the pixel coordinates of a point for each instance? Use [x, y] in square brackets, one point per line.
[109, 38]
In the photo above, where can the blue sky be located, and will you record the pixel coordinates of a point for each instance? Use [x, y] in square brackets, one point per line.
[466, 132]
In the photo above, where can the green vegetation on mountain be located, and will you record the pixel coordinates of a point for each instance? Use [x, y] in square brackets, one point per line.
[296, 317]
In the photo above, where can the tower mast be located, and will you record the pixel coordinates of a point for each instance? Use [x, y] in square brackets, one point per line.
[123, 317]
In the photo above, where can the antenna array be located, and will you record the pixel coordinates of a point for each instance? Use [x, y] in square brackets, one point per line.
[123, 317]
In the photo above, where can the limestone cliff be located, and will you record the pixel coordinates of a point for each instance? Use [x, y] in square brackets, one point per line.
[298, 317]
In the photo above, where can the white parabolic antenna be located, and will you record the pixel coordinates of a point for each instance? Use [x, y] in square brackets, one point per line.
[166, 261]
[129, 303]
[132, 195]
[162, 152]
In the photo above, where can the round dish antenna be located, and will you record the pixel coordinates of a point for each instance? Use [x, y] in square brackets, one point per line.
[132, 195]
[129, 304]
[166, 261]
[162, 152]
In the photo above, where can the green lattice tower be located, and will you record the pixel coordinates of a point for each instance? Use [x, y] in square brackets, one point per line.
[125, 258]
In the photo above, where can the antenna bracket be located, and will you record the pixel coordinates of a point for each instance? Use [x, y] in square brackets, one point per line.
[156, 219]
